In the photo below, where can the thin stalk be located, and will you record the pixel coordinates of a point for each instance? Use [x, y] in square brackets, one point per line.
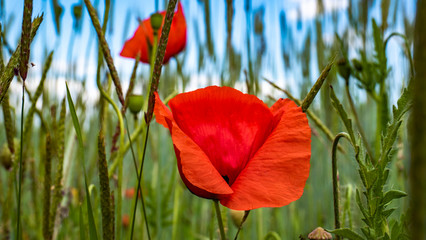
[358, 124]
[219, 219]
[119, 156]
[407, 47]
[138, 189]
[131, 145]
[18, 221]
[153, 86]
[159, 57]
[105, 50]
[152, 62]
[246, 213]
[335, 181]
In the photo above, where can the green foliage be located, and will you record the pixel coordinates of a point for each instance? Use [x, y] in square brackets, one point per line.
[92, 226]
[372, 201]
[343, 115]
[347, 233]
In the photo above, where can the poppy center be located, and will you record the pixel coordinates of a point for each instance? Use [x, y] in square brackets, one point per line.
[227, 125]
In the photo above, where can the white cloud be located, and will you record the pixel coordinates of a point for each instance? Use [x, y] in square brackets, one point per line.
[307, 9]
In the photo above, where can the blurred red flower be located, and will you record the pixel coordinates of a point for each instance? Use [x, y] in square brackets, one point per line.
[230, 146]
[141, 42]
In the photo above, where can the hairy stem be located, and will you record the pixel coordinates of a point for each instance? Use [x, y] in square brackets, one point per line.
[335, 181]
[219, 219]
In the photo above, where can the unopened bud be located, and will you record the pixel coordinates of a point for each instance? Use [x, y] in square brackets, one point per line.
[156, 21]
[357, 64]
[319, 233]
[135, 103]
[237, 217]
[343, 68]
[6, 157]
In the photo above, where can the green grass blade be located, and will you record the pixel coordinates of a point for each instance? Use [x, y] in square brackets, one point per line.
[92, 226]
[82, 230]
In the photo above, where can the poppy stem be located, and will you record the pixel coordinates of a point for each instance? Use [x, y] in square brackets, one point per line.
[358, 123]
[335, 180]
[246, 213]
[219, 219]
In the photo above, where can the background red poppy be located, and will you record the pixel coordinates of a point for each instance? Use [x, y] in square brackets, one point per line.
[142, 40]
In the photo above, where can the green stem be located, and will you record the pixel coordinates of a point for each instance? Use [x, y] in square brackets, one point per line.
[119, 156]
[18, 221]
[152, 62]
[335, 181]
[219, 219]
[105, 50]
[139, 187]
[246, 213]
[358, 123]
[159, 57]
[407, 47]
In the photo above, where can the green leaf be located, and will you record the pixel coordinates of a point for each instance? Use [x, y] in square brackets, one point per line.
[362, 208]
[343, 115]
[74, 118]
[403, 105]
[388, 212]
[391, 195]
[92, 226]
[371, 176]
[347, 233]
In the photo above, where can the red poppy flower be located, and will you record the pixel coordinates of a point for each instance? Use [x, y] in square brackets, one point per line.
[230, 146]
[141, 42]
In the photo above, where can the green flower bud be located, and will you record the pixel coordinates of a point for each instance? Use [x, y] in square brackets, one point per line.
[135, 103]
[156, 21]
[6, 157]
[237, 217]
[343, 68]
[357, 64]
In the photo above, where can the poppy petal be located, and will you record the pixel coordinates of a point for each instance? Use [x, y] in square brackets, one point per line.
[226, 124]
[162, 114]
[191, 158]
[277, 173]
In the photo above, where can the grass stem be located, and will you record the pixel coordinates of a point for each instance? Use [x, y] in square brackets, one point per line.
[18, 221]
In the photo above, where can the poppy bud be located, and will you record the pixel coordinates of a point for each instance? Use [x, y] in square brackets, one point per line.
[135, 103]
[237, 217]
[156, 21]
[319, 233]
[357, 64]
[6, 157]
[343, 68]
